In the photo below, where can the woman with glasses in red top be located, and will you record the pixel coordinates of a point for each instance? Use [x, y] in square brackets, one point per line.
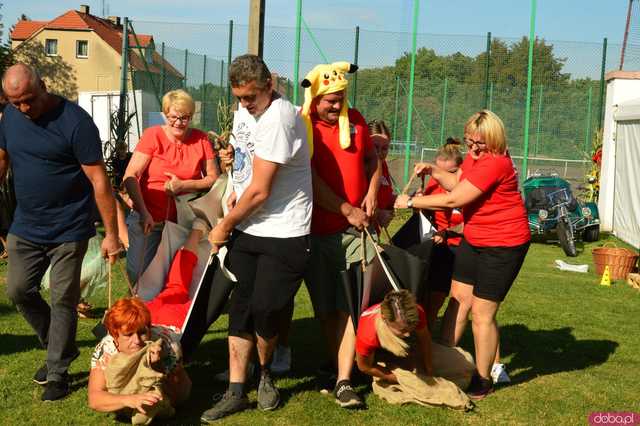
[169, 160]
[496, 232]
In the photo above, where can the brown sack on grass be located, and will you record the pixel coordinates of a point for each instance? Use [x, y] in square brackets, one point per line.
[452, 369]
[133, 374]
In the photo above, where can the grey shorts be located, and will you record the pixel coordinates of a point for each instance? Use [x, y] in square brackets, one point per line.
[331, 254]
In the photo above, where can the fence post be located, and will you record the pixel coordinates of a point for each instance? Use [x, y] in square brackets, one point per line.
[486, 71]
[527, 112]
[186, 59]
[296, 58]
[163, 71]
[203, 119]
[395, 111]
[122, 101]
[587, 137]
[414, 31]
[229, 50]
[443, 115]
[221, 79]
[490, 107]
[354, 92]
[535, 152]
[602, 69]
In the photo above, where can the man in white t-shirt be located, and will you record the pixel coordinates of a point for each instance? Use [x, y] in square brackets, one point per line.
[267, 229]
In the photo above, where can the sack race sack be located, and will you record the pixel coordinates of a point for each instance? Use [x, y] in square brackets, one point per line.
[417, 229]
[391, 268]
[132, 374]
[452, 372]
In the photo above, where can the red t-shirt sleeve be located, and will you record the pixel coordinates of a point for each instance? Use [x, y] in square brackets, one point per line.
[366, 338]
[486, 174]
[148, 142]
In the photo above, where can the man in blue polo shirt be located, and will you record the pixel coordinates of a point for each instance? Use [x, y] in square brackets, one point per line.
[54, 151]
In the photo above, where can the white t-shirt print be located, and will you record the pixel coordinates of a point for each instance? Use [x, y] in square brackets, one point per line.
[279, 135]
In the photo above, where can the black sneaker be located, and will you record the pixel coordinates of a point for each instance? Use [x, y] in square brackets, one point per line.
[479, 388]
[268, 395]
[346, 397]
[41, 375]
[230, 403]
[55, 390]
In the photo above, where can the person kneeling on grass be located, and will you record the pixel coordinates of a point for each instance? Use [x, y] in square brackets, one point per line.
[393, 345]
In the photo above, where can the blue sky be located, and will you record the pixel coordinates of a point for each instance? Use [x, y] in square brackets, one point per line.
[448, 26]
[573, 20]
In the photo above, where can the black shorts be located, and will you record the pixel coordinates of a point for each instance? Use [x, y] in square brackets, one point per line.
[269, 272]
[441, 268]
[490, 270]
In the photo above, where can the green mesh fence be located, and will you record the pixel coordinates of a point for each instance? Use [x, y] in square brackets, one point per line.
[452, 81]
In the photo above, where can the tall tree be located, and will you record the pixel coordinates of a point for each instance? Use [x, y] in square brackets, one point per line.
[5, 49]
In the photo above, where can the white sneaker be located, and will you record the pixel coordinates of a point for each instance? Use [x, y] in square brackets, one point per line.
[281, 362]
[499, 374]
[223, 376]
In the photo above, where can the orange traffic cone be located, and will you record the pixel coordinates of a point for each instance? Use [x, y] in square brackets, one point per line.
[606, 277]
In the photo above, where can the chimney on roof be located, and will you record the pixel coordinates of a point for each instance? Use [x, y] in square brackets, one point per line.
[84, 9]
[115, 20]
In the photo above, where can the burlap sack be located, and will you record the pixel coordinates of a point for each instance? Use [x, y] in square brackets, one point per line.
[452, 369]
[132, 374]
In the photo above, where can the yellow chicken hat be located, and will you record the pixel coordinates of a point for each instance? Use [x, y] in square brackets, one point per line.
[322, 80]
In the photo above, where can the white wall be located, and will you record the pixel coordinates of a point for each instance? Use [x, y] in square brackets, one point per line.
[621, 86]
[100, 105]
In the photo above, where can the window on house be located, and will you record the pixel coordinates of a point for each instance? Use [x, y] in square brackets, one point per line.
[82, 48]
[51, 47]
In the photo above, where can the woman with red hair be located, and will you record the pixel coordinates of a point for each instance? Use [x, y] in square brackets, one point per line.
[128, 322]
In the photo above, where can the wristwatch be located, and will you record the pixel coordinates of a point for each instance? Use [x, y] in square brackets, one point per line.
[410, 203]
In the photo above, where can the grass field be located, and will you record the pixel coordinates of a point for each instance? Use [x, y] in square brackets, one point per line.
[571, 347]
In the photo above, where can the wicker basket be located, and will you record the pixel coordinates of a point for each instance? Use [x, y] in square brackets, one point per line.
[621, 261]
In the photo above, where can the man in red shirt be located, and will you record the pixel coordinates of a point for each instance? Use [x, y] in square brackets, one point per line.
[345, 170]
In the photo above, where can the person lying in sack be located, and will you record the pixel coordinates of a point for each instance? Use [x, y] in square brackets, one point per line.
[136, 370]
[393, 345]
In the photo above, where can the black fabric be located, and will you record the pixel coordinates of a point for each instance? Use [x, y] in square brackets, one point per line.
[441, 268]
[7, 203]
[269, 272]
[490, 270]
[409, 233]
[352, 282]
[409, 269]
[208, 305]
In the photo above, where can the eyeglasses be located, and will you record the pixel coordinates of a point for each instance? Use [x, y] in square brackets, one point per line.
[471, 142]
[183, 119]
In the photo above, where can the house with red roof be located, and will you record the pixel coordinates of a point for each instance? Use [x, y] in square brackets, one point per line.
[90, 48]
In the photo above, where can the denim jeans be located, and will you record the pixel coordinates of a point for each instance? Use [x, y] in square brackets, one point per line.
[54, 325]
[142, 248]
